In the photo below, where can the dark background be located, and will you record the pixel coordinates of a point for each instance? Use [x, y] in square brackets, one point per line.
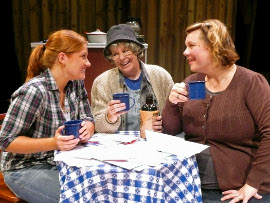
[255, 40]
[251, 36]
[10, 73]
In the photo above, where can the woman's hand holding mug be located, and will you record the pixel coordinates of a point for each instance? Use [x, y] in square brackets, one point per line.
[114, 110]
[178, 93]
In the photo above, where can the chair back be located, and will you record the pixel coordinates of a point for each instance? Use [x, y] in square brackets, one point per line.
[2, 116]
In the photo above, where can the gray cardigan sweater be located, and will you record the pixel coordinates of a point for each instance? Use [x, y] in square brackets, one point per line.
[106, 84]
[236, 126]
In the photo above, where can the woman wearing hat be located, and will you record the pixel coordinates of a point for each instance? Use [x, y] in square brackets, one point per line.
[130, 75]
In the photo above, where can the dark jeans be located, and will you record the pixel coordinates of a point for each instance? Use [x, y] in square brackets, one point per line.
[214, 196]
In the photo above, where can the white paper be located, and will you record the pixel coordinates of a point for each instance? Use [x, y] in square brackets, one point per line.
[138, 155]
[78, 162]
[110, 139]
[173, 145]
[130, 156]
[78, 151]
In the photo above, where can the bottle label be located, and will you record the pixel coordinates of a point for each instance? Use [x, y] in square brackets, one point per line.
[146, 121]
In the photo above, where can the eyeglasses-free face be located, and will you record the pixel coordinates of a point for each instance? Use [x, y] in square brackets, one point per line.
[197, 52]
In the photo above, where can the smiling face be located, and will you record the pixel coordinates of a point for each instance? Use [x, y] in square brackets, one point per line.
[77, 63]
[126, 61]
[198, 53]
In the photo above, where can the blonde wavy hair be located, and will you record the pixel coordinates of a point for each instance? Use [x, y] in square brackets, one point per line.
[216, 36]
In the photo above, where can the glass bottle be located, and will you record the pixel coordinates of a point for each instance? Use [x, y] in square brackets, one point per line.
[149, 104]
[148, 114]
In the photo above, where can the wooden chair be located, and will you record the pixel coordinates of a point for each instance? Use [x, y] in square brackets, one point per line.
[6, 195]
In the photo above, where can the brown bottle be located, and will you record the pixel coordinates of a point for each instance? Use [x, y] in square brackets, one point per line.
[148, 114]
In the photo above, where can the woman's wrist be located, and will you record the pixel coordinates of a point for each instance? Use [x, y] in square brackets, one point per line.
[109, 119]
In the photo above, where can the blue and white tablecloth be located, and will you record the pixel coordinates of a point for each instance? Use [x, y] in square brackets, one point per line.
[175, 181]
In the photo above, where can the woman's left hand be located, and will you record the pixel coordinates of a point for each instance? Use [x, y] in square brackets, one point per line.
[244, 194]
[157, 124]
[86, 131]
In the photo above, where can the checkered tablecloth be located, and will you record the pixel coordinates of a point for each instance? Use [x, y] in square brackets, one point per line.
[175, 181]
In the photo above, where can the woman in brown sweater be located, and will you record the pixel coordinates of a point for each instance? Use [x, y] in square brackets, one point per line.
[233, 119]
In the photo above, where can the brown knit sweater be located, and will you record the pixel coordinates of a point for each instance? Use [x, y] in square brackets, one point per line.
[236, 126]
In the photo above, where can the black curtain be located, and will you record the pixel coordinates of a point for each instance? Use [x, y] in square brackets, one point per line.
[10, 73]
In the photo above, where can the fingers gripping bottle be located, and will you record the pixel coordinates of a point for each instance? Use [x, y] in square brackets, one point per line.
[148, 114]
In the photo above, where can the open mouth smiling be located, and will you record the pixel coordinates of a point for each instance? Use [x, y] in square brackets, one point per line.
[124, 64]
[190, 60]
[84, 70]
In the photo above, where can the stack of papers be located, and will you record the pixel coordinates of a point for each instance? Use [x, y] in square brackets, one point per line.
[129, 151]
[173, 145]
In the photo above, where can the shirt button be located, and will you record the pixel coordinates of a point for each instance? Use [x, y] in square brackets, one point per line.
[204, 115]
[211, 96]
[203, 127]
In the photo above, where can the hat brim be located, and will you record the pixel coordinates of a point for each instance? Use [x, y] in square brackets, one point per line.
[120, 39]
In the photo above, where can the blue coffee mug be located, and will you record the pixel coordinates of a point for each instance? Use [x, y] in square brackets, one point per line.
[72, 127]
[196, 90]
[124, 98]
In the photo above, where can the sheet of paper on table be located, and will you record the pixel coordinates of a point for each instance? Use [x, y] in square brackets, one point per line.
[111, 148]
[173, 145]
[112, 139]
[138, 155]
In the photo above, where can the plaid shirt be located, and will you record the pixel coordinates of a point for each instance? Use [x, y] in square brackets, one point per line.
[35, 112]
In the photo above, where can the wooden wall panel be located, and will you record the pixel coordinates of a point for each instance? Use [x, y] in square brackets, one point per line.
[47, 14]
[171, 37]
[179, 61]
[162, 29]
[134, 7]
[144, 16]
[74, 15]
[200, 9]
[163, 23]
[190, 19]
[35, 20]
[112, 15]
[101, 15]
[82, 11]
[221, 10]
[209, 9]
[63, 13]
[231, 16]
[151, 27]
